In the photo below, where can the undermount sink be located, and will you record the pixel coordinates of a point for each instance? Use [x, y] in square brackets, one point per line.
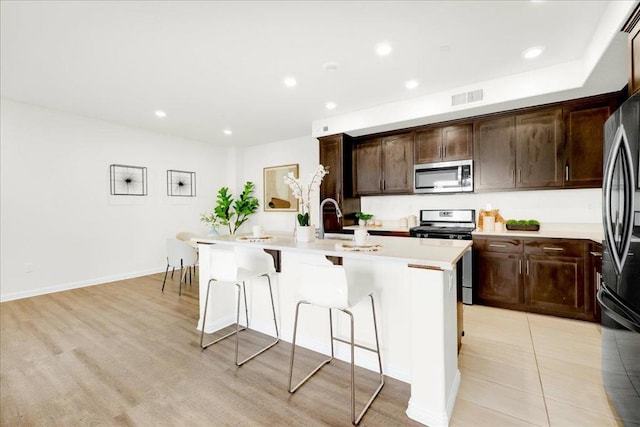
[338, 236]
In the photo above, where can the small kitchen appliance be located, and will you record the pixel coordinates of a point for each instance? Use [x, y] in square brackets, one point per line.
[453, 224]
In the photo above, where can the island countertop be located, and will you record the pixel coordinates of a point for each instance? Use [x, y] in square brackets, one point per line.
[432, 253]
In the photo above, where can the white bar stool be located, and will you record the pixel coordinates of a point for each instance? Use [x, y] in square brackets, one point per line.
[328, 286]
[237, 265]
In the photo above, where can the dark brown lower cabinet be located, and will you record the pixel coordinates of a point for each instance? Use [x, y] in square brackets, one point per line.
[548, 276]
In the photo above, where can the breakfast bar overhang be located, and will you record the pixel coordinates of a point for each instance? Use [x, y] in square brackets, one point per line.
[415, 280]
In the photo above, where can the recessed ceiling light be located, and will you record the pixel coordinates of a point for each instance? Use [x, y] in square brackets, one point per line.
[160, 113]
[227, 132]
[532, 52]
[330, 105]
[330, 66]
[411, 84]
[290, 82]
[383, 49]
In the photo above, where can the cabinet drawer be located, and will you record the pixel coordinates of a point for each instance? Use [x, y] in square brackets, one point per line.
[498, 245]
[558, 247]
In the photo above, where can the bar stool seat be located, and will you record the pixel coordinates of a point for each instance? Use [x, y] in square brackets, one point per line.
[236, 266]
[336, 288]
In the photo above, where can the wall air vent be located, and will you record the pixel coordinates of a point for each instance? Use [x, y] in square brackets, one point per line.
[458, 99]
[463, 98]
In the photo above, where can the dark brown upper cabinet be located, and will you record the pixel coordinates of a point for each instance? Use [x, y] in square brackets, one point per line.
[632, 27]
[584, 136]
[439, 144]
[494, 148]
[384, 165]
[539, 143]
[519, 151]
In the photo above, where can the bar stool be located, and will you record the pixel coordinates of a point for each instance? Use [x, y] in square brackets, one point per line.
[238, 265]
[328, 286]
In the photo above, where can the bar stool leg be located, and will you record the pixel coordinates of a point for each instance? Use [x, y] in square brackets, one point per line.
[204, 318]
[273, 308]
[293, 350]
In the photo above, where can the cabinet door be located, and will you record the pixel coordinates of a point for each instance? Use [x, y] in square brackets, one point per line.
[428, 145]
[498, 278]
[539, 138]
[584, 144]
[331, 156]
[555, 284]
[397, 163]
[457, 142]
[494, 153]
[368, 167]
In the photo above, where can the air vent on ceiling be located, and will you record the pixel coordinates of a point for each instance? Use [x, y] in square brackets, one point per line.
[464, 98]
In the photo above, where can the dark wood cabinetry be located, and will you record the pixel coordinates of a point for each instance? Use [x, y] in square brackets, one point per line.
[384, 165]
[584, 137]
[558, 147]
[336, 153]
[632, 27]
[539, 275]
[539, 139]
[438, 144]
[494, 153]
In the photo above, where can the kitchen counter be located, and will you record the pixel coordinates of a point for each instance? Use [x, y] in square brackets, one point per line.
[416, 299]
[387, 228]
[587, 231]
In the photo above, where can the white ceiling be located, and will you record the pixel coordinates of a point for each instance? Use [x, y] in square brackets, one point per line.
[217, 65]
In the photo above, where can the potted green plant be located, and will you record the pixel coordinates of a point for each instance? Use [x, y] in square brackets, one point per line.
[230, 212]
[363, 218]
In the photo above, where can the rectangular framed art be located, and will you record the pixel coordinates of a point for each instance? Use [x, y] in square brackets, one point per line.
[181, 183]
[128, 180]
[278, 197]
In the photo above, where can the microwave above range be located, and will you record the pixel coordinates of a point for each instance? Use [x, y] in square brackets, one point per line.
[443, 177]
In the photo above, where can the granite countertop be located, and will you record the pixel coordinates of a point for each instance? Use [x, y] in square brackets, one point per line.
[588, 231]
[433, 253]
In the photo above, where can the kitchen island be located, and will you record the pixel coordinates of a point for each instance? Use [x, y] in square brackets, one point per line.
[415, 285]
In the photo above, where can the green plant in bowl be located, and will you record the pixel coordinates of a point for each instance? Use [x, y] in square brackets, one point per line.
[363, 216]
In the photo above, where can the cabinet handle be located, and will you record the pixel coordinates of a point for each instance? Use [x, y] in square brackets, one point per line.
[440, 151]
[566, 173]
[520, 175]
[444, 152]
[519, 266]
[527, 267]
[495, 245]
[546, 248]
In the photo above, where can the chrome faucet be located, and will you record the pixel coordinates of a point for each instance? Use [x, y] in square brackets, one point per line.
[338, 214]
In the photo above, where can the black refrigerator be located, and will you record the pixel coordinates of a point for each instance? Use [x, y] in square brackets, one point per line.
[619, 295]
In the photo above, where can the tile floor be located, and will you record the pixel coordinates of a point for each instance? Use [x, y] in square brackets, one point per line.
[523, 369]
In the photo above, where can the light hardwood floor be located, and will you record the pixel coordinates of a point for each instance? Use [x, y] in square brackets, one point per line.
[124, 353]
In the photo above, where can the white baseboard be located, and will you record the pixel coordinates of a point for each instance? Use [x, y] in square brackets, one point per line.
[80, 284]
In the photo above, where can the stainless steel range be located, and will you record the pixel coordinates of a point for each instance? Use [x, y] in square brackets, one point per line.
[451, 224]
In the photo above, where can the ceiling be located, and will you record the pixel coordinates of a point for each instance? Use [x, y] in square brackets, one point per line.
[219, 65]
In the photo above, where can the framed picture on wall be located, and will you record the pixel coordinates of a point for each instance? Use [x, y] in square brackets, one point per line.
[128, 180]
[181, 183]
[278, 197]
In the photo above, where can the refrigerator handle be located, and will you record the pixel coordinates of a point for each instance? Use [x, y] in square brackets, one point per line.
[626, 318]
[620, 147]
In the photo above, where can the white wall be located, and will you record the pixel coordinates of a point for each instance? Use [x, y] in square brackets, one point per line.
[58, 216]
[551, 206]
[303, 151]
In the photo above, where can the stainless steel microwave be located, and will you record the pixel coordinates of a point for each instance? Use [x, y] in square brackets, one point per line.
[443, 177]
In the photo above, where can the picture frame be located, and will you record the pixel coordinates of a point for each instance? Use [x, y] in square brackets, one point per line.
[128, 180]
[181, 183]
[278, 197]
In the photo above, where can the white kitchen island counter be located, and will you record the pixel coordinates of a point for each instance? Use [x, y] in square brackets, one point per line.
[415, 286]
